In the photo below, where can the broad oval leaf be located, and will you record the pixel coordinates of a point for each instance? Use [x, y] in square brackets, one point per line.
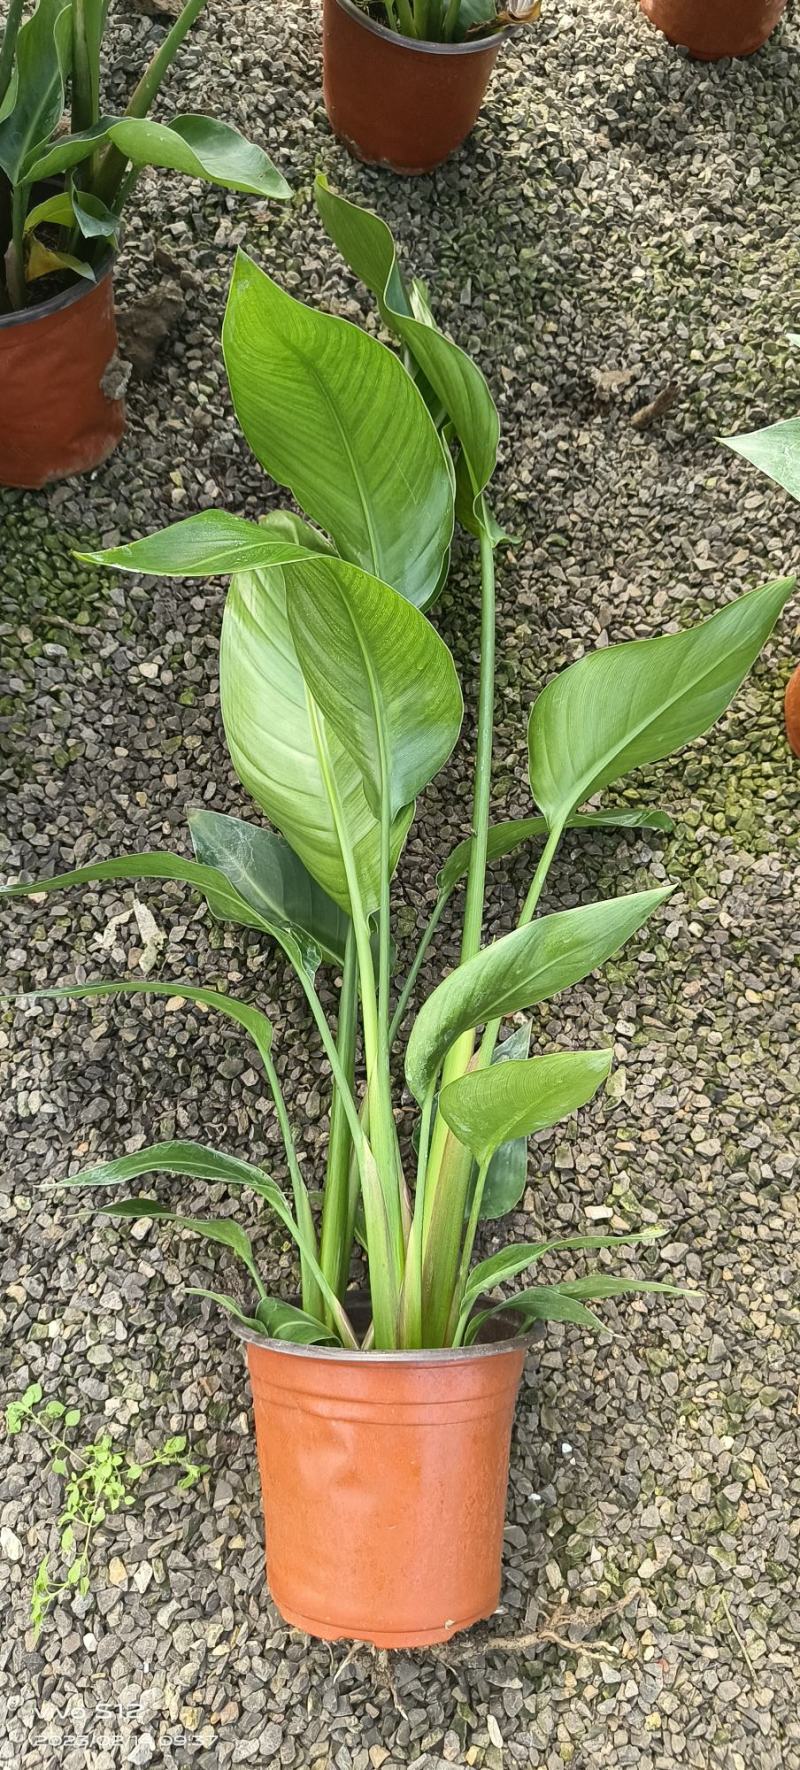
[505, 837]
[229, 1304]
[265, 708]
[635, 703]
[528, 966]
[486, 1107]
[268, 876]
[331, 414]
[383, 678]
[43, 62]
[213, 543]
[775, 450]
[366, 244]
[202, 147]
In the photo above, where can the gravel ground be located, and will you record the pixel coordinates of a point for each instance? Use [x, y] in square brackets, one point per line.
[622, 220]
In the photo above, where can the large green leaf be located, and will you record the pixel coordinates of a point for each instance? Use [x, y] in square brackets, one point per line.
[528, 966]
[252, 1019]
[266, 873]
[775, 450]
[223, 901]
[505, 837]
[218, 1229]
[366, 243]
[486, 1107]
[383, 678]
[509, 1262]
[43, 58]
[201, 147]
[508, 1168]
[633, 704]
[265, 707]
[210, 544]
[331, 413]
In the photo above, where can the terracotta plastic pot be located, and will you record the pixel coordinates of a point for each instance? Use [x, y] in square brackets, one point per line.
[791, 707]
[711, 29]
[396, 103]
[384, 1478]
[58, 413]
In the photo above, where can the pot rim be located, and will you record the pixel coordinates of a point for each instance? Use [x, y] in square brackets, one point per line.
[57, 303]
[425, 1355]
[414, 44]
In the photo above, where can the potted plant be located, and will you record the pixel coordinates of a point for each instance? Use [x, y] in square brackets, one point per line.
[775, 450]
[711, 29]
[61, 201]
[383, 1418]
[404, 80]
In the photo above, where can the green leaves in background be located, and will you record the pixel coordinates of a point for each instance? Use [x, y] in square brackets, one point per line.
[331, 414]
[383, 678]
[35, 98]
[775, 450]
[632, 704]
[210, 544]
[505, 837]
[271, 739]
[487, 1107]
[528, 966]
[366, 244]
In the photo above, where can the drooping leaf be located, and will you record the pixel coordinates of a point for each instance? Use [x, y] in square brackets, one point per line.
[201, 147]
[94, 218]
[266, 873]
[331, 414]
[229, 1304]
[528, 966]
[600, 1284]
[43, 59]
[544, 1304]
[366, 243]
[40, 262]
[49, 159]
[774, 450]
[265, 707]
[213, 543]
[509, 1262]
[283, 1321]
[217, 1229]
[57, 210]
[252, 1019]
[223, 901]
[508, 1168]
[193, 1161]
[633, 704]
[486, 1107]
[383, 678]
[505, 837]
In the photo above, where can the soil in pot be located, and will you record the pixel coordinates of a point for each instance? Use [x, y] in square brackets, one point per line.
[61, 410]
[396, 103]
[384, 1479]
[711, 29]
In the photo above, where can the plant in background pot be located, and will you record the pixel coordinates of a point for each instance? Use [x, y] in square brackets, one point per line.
[775, 450]
[713, 29]
[61, 202]
[404, 80]
[383, 1420]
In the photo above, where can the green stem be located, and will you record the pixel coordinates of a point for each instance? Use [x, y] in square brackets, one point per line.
[336, 1234]
[311, 1294]
[416, 965]
[112, 165]
[469, 1242]
[15, 256]
[85, 109]
[9, 45]
[451, 20]
[492, 1028]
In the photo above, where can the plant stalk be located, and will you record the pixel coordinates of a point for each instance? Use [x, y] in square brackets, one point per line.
[336, 1232]
[8, 47]
[492, 1027]
[15, 256]
[112, 165]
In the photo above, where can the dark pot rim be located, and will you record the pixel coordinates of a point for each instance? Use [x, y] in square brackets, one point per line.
[56, 304]
[480, 44]
[508, 1341]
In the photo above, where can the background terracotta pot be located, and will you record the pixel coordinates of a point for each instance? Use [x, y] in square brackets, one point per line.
[791, 708]
[59, 415]
[712, 29]
[384, 1481]
[396, 103]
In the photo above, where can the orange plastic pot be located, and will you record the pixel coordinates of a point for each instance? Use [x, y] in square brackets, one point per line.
[711, 29]
[57, 415]
[791, 708]
[384, 1478]
[397, 103]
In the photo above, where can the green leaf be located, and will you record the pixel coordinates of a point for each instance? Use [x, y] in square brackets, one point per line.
[57, 210]
[487, 1107]
[598, 1284]
[201, 147]
[48, 160]
[43, 59]
[366, 244]
[41, 262]
[632, 704]
[528, 966]
[383, 678]
[72, 1416]
[283, 1321]
[223, 901]
[273, 745]
[774, 450]
[331, 414]
[544, 1304]
[94, 218]
[509, 1262]
[254, 1022]
[504, 838]
[210, 544]
[268, 876]
[217, 1229]
[508, 1168]
[229, 1304]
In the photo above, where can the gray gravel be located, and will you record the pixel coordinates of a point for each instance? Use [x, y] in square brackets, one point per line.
[622, 219]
